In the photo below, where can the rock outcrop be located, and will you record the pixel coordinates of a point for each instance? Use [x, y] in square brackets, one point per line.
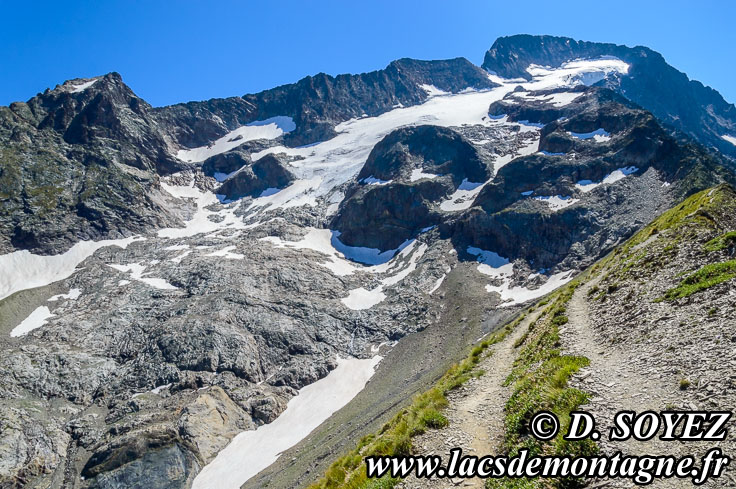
[686, 105]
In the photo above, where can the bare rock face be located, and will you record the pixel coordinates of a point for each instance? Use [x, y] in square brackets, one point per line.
[31, 445]
[433, 150]
[167, 467]
[684, 104]
[80, 165]
[226, 163]
[405, 177]
[251, 180]
[211, 421]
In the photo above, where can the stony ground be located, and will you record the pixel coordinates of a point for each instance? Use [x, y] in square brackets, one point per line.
[475, 415]
[631, 378]
[634, 374]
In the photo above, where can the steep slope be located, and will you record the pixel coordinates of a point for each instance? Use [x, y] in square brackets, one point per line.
[687, 105]
[318, 103]
[62, 146]
[80, 162]
[651, 323]
[646, 328]
[551, 201]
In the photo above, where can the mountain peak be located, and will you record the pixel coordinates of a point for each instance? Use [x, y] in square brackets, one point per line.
[110, 81]
[685, 105]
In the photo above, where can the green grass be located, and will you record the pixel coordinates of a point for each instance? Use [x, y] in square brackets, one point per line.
[539, 382]
[394, 438]
[721, 242]
[708, 276]
[697, 219]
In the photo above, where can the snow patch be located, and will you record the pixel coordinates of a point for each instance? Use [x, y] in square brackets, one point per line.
[518, 295]
[437, 284]
[418, 174]
[433, 91]
[730, 139]
[72, 295]
[221, 177]
[83, 86]
[560, 99]
[491, 263]
[200, 223]
[614, 176]
[225, 253]
[530, 148]
[35, 320]
[136, 271]
[178, 258]
[573, 73]
[23, 270]
[463, 197]
[313, 405]
[299, 193]
[557, 202]
[361, 298]
[599, 135]
[266, 129]
[361, 254]
[157, 390]
[374, 181]
[320, 240]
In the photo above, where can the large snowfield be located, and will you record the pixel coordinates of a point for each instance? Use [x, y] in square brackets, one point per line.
[268, 129]
[23, 270]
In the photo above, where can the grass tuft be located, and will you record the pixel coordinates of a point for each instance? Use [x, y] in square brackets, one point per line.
[708, 276]
[722, 242]
[539, 382]
[394, 438]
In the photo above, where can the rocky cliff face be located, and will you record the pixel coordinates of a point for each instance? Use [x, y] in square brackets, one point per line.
[686, 105]
[259, 259]
[318, 103]
[404, 180]
[547, 207]
[80, 162]
[597, 137]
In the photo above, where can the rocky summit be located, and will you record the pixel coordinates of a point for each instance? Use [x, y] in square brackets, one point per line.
[235, 292]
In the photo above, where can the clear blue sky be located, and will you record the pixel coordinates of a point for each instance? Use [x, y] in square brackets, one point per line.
[177, 50]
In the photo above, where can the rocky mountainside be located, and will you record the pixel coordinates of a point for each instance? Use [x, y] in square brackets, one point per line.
[318, 103]
[684, 104]
[266, 251]
[647, 328]
[81, 162]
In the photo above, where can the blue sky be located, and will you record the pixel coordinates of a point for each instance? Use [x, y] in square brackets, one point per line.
[175, 51]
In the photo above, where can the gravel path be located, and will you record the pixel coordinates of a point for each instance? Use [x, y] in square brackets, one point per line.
[616, 378]
[475, 414]
[617, 381]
